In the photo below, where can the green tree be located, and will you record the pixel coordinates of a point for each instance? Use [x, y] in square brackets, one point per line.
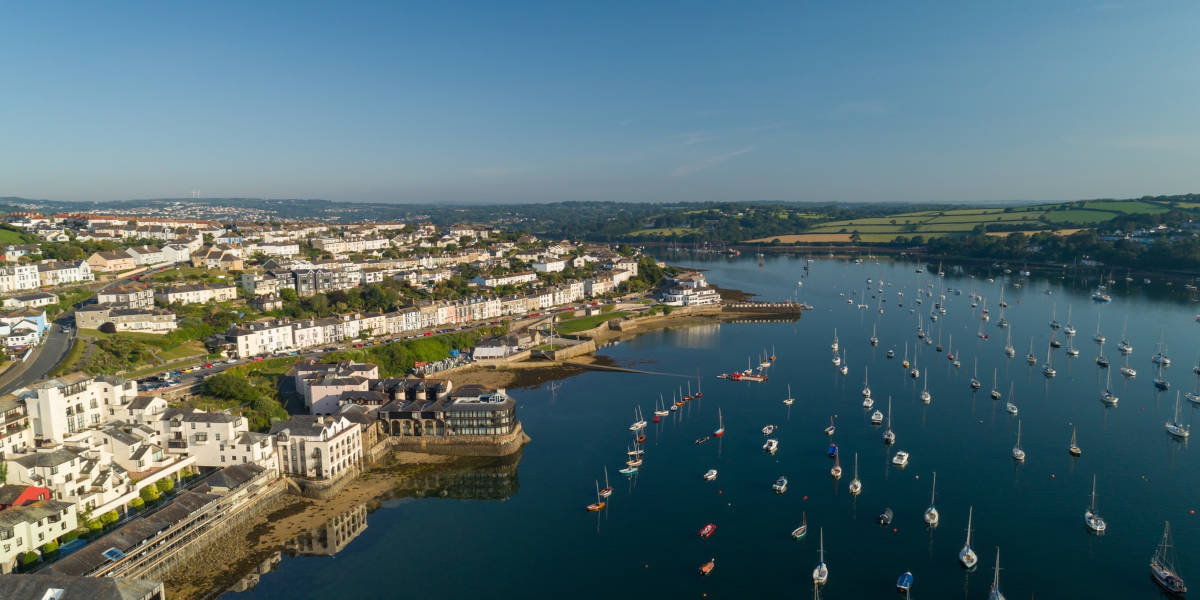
[110, 517]
[165, 484]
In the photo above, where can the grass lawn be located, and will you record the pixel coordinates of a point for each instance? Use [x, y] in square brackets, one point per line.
[8, 236]
[988, 218]
[187, 274]
[583, 323]
[187, 349]
[71, 360]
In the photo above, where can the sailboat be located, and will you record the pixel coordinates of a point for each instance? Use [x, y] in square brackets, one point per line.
[821, 573]
[599, 504]
[914, 372]
[1127, 370]
[607, 490]
[1069, 329]
[995, 391]
[789, 400]
[1162, 566]
[1048, 368]
[1009, 351]
[1030, 357]
[1091, 516]
[720, 430]
[950, 348]
[931, 513]
[1194, 395]
[967, 555]
[1010, 406]
[1160, 357]
[1054, 324]
[638, 422]
[1072, 351]
[802, 530]
[1099, 337]
[845, 368]
[889, 436]
[772, 352]
[1174, 427]
[994, 593]
[975, 375]
[925, 396]
[856, 483]
[1108, 398]
[829, 430]
[1125, 347]
[866, 390]
[659, 412]
[874, 338]
[1161, 382]
[904, 363]
[836, 471]
[1074, 449]
[834, 345]
[1017, 453]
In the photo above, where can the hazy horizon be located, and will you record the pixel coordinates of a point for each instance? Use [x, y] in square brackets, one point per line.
[481, 103]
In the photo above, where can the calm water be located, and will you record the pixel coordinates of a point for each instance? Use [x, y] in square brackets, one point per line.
[528, 534]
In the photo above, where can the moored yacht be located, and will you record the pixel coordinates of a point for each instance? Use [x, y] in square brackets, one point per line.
[931, 513]
[771, 446]
[1018, 454]
[1174, 427]
[821, 573]
[967, 556]
[856, 483]
[926, 397]
[900, 459]
[994, 593]
[780, 485]
[710, 475]
[1162, 566]
[1091, 516]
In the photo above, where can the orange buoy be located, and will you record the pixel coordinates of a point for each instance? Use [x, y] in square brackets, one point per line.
[806, 497]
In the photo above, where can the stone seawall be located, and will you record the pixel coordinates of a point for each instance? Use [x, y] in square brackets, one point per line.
[464, 445]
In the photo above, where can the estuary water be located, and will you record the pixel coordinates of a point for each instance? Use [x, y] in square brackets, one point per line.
[520, 530]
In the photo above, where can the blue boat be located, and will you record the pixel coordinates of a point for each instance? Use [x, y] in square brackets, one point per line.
[905, 582]
[832, 450]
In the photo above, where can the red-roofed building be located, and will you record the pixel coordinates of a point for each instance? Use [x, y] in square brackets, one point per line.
[20, 495]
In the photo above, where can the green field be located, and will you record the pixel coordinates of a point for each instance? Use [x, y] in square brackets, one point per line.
[934, 223]
[1079, 215]
[664, 231]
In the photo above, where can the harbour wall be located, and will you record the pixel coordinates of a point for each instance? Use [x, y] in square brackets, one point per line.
[464, 445]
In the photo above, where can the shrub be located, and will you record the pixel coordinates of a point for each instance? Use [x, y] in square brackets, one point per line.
[165, 485]
[137, 504]
[68, 536]
[109, 517]
[94, 525]
[29, 558]
[49, 547]
[149, 493]
[108, 327]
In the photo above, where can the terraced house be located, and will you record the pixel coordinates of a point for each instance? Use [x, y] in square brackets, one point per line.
[197, 293]
[27, 528]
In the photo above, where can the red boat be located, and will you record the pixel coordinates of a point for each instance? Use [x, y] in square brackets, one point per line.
[708, 530]
[708, 567]
[657, 418]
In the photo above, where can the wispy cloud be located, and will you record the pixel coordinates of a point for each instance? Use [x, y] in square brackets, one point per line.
[708, 163]
[859, 108]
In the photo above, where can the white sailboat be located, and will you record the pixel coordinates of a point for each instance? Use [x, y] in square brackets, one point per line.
[995, 391]
[1125, 347]
[821, 573]
[866, 389]
[975, 375]
[1030, 357]
[845, 368]
[1174, 427]
[1009, 351]
[1099, 337]
[1017, 453]
[1048, 368]
[789, 400]
[1069, 329]
[889, 436]
[1107, 397]
[874, 338]
[1091, 516]
[925, 396]
[967, 555]
[994, 593]
[856, 483]
[1010, 406]
[931, 513]
[834, 345]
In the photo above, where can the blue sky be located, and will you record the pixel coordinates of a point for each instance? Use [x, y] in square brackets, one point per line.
[629, 101]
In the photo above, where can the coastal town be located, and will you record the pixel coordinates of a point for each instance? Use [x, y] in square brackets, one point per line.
[123, 470]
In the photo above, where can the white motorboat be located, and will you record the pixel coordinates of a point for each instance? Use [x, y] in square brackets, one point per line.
[771, 446]
[900, 459]
[710, 475]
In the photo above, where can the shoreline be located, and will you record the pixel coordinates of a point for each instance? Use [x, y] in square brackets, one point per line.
[254, 547]
[238, 553]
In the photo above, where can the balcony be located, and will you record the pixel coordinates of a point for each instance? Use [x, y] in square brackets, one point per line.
[177, 444]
